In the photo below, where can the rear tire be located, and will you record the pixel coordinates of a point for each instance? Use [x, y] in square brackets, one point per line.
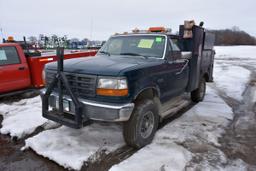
[141, 127]
[198, 94]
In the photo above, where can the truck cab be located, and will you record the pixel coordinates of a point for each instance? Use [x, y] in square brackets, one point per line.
[14, 69]
[21, 66]
[136, 79]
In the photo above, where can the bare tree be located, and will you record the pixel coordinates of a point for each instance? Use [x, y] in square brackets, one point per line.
[233, 36]
[32, 39]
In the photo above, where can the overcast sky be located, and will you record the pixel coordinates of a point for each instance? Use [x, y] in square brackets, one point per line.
[99, 19]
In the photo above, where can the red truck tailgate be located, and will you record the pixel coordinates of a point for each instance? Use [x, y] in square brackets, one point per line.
[37, 64]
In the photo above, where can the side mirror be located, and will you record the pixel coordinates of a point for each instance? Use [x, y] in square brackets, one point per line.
[175, 55]
[186, 55]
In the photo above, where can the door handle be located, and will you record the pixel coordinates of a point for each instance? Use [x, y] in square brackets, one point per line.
[186, 64]
[21, 68]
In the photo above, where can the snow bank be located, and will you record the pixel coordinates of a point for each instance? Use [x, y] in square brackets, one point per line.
[231, 79]
[203, 123]
[71, 147]
[243, 52]
[22, 118]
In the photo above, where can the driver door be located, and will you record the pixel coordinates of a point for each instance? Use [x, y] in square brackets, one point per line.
[14, 73]
[182, 69]
[178, 78]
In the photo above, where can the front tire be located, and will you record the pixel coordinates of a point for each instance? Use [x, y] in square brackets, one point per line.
[198, 94]
[141, 127]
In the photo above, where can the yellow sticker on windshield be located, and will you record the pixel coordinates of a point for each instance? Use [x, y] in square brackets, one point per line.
[146, 43]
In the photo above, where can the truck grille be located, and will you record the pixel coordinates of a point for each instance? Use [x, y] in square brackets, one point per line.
[82, 85]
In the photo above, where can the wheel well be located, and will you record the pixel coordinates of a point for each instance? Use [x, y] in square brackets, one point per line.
[148, 93]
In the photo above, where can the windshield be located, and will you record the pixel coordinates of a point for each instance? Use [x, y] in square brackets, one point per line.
[135, 45]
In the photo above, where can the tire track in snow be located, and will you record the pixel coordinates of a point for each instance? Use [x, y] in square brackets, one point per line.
[238, 141]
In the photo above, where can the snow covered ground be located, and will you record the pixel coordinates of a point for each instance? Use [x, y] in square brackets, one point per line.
[231, 79]
[235, 52]
[231, 72]
[190, 138]
[71, 147]
[22, 118]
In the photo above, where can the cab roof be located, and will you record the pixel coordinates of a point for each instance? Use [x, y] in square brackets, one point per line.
[150, 31]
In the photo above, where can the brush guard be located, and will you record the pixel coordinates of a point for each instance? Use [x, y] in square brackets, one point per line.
[57, 115]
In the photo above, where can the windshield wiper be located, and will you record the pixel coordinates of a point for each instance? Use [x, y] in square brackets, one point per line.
[104, 52]
[134, 54]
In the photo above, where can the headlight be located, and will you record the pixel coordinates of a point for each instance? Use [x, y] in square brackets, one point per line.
[112, 86]
[112, 83]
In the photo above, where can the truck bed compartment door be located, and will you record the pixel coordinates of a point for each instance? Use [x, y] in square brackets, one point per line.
[14, 74]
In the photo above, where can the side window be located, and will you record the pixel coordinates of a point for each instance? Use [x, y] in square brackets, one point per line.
[169, 51]
[169, 48]
[9, 55]
[174, 46]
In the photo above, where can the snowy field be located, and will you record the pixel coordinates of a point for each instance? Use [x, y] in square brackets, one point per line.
[231, 79]
[235, 52]
[232, 69]
[177, 145]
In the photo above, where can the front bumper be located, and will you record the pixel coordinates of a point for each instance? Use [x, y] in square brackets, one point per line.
[93, 110]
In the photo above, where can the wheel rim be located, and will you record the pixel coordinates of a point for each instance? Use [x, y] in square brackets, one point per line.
[147, 124]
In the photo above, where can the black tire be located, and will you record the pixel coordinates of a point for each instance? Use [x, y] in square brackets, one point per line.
[135, 131]
[198, 94]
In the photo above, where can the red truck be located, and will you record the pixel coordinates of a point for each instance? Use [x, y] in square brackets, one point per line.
[20, 71]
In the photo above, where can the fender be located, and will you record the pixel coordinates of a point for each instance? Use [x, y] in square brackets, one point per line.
[156, 88]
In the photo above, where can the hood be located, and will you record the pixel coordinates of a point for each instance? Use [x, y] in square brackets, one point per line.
[100, 64]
